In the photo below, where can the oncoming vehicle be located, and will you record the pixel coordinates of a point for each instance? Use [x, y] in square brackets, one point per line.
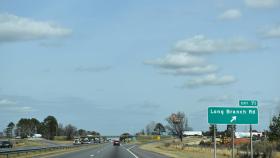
[116, 142]
[6, 144]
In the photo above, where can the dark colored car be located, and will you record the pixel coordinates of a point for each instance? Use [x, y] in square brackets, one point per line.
[116, 143]
[6, 144]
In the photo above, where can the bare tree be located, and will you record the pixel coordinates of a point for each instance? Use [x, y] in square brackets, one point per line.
[82, 132]
[150, 127]
[176, 124]
[187, 127]
[60, 130]
[70, 131]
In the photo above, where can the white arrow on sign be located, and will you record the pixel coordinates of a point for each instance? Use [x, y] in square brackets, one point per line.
[233, 118]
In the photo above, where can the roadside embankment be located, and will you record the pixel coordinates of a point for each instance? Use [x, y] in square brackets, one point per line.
[190, 148]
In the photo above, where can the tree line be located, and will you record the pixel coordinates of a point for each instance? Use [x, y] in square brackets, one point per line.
[177, 123]
[48, 128]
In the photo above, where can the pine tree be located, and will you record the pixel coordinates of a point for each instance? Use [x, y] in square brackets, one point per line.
[274, 129]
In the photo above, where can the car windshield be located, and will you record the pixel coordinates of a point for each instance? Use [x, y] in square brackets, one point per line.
[140, 78]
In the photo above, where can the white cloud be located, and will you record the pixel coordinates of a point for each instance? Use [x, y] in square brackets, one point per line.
[273, 32]
[5, 102]
[175, 61]
[12, 106]
[200, 45]
[14, 28]
[196, 70]
[210, 80]
[230, 14]
[276, 100]
[262, 3]
[186, 59]
[24, 109]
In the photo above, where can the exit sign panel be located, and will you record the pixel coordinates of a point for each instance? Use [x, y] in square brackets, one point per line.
[232, 115]
[248, 103]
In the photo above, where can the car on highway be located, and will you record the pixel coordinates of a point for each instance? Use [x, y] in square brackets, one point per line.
[116, 142]
[6, 144]
[85, 141]
[76, 142]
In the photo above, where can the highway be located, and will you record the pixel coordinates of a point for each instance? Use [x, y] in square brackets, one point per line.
[110, 151]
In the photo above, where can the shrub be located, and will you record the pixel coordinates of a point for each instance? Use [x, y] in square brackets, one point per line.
[167, 144]
[262, 149]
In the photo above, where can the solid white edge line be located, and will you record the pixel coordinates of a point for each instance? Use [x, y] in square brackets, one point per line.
[132, 147]
[132, 153]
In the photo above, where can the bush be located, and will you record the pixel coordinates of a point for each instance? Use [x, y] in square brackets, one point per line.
[205, 143]
[262, 149]
[167, 144]
[278, 147]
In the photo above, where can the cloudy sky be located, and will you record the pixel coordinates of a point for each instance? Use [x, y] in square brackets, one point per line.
[114, 66]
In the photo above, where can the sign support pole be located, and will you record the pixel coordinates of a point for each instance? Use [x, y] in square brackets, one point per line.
[232, 139]
[251, 141]
[215, 145]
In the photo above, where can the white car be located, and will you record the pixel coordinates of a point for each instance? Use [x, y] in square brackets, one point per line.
[76, 142]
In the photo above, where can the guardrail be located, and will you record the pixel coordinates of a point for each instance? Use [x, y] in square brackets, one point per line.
[21, 152]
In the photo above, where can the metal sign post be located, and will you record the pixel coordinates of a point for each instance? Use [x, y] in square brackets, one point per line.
[249, 103]
[215, 144]
[251, 141]
[232, 139]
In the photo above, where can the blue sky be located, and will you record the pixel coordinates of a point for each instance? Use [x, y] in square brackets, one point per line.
[114, 66]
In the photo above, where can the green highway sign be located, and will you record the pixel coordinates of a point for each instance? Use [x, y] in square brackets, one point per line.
[248, 103]
[233, 115]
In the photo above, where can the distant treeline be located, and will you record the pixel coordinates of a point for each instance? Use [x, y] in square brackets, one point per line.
[177, 123]
[48, 128]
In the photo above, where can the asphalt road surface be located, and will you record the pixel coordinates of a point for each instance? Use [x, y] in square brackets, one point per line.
[110, 151]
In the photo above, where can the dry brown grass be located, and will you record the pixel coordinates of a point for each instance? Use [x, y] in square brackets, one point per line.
[276, 155]
[186, 152]
[27, 143]
[177, 149]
